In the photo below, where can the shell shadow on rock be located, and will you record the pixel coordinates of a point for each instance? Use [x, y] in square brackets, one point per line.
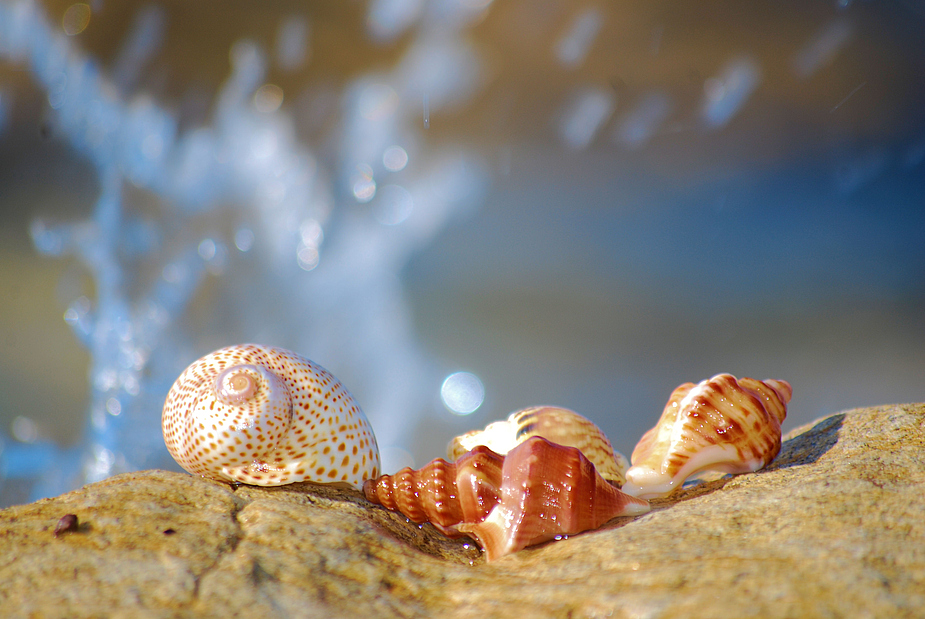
[809, 442]
[346, 499]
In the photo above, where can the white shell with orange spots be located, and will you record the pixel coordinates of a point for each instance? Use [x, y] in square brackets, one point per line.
[266, 416]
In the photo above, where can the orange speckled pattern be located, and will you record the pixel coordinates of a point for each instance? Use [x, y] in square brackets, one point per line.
[266, 416]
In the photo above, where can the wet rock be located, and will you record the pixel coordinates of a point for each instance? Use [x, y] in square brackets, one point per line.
[833, 527]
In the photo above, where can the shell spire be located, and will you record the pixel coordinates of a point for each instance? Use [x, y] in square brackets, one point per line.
[266, 416]
[558, 425]
[538, 491]
[442, 493]
[722, 423]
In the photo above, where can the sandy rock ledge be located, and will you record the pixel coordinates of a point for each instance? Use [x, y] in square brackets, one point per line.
[834, 527]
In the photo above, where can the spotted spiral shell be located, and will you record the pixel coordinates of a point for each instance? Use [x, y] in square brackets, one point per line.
[537, 492]
[722, 424]
[559, 425]
[265, 416]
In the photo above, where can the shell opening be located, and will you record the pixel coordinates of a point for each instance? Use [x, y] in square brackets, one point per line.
[237, 384]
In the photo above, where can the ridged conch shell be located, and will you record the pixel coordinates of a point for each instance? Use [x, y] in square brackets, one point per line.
[266, 416]
[722, 424]
[559, 425]
[540, 491]
[442, 493]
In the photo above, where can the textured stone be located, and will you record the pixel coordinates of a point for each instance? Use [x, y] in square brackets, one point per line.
[834, 527]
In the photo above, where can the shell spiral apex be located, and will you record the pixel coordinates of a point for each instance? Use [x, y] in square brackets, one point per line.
[558, 425]
[722, 424]
[265, 416]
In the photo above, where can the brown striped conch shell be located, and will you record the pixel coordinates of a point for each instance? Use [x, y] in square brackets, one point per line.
[266, 416]
[558, 425]
[540, 491]
[442, 493]
[721, 424]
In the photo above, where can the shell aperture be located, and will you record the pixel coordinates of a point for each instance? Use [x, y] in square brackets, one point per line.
[722, 424]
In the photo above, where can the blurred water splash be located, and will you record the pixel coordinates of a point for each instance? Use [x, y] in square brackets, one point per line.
[307, 253]
[726, 93]
[642, 122]
[572, 48]
[584, 115]
[292, 42]
[142, 43]
[823, 48]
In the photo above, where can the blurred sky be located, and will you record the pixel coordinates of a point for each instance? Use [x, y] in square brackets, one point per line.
[676, 190]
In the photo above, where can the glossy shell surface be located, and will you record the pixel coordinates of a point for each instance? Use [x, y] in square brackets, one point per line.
[540, 491]
[266, 416]
[723, 424]
[443, 493]
[558, 425]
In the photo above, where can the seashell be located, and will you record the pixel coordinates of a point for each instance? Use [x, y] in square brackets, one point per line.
[559, 425]
[266, 416]
[442, 493]
[540, 491]
[722, 424]
[547, 491]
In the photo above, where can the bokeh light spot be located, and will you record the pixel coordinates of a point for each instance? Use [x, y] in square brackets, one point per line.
[207, 249]
[244, 239]
[362, 184]
[76, 19]
[268, 98]
[462, 393]
[395, 158]
[24, 430]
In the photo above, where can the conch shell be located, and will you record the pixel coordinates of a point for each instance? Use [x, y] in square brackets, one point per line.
[540, 491]
[722, 424]
[442, 493]
[558, 425]
[266, 416]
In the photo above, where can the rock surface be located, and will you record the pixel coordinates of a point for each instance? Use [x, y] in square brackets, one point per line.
[834, 527]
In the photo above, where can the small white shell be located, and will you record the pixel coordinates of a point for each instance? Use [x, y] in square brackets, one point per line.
[721, 424]
[266, 416]
[558, 425]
